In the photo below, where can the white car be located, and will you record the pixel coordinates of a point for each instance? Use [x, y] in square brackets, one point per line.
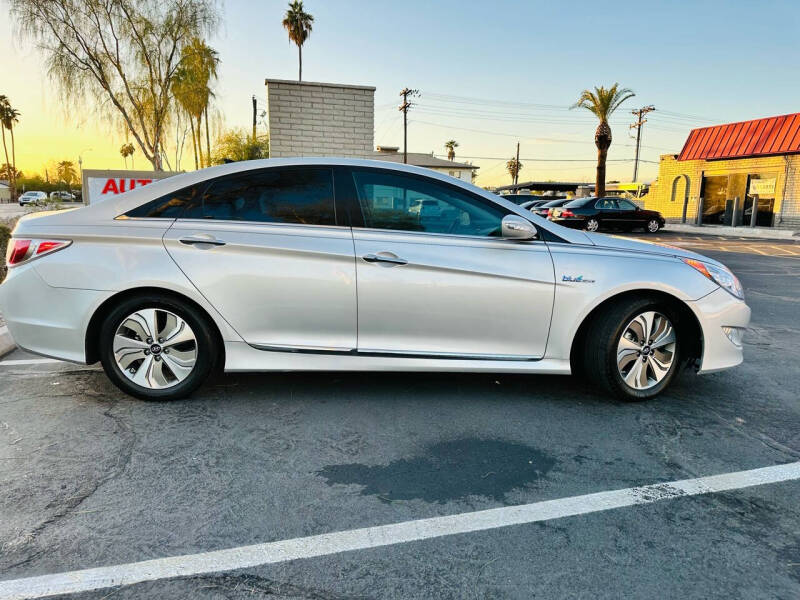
[62, 196]
[32, 198]
[316, 264]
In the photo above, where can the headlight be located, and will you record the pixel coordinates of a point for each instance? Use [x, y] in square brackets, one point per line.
[722, 276]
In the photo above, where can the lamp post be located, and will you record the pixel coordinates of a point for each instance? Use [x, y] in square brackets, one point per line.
[80, 168]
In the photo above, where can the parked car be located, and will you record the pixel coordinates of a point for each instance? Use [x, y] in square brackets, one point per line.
[32, 198]
[315, 264]
[544, 209]
[531, 204]
[593, 214]
[524, 198]
[62, 196]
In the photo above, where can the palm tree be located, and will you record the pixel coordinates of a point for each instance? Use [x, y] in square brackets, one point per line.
[298, 23]
[191, 89]
[9, 116]
[602, 103]
[514, 166]
[65, 171]
[127, 150]
[451, 149]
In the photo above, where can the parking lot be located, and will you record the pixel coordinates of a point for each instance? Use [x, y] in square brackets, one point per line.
[90, 478]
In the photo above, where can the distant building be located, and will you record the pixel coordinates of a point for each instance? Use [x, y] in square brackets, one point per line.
[729, 166]
[462, 171]
[5, 191]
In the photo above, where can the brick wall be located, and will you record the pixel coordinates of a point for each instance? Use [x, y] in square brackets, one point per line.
[786, 169]
[320, 119]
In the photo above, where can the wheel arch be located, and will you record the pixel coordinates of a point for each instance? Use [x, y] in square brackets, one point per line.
[688, 323]
[92, 341]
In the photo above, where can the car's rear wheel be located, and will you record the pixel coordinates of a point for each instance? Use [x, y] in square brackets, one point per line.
[592, 225]
[652, 226]
[157, 348]
[633, 349]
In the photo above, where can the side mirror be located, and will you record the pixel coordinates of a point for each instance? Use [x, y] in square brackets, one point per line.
[515, 227]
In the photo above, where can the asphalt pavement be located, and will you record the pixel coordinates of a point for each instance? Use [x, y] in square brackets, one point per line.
[92, 478]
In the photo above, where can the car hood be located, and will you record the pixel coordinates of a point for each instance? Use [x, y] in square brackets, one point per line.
[615, 242]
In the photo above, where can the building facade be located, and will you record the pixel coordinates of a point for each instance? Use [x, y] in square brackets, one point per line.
[319, 119]
[731, 168]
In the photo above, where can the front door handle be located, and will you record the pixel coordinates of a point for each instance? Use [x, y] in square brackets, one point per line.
[385, 257]
[201, 239]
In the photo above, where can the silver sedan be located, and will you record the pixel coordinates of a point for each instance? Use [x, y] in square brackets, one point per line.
[328, 264]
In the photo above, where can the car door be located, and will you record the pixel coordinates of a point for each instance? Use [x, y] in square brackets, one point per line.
[607, 212]
[629, 215]
[264, 247]
[444, 285]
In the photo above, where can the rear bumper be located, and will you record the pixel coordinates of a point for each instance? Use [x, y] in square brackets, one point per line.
[717, 310]
[47, 320]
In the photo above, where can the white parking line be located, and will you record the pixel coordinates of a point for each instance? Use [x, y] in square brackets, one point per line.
[383, 535]
[29, 361]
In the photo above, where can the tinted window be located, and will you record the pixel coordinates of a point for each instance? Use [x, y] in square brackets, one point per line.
[626, 205]
[302, 196]
[553, 203]
[578, 203]
[606, 204]
[169, 206]
[408, 203]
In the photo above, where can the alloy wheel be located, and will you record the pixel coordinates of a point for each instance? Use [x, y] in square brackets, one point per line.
[653, 226]
[592, 225]
[155, 348]
[646, 350]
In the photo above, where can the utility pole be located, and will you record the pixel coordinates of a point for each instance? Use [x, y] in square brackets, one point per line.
[639, 113]
[404, 109]
[254, 118]
[516, 172]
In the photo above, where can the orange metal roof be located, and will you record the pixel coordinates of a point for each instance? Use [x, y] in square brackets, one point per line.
[760, 137]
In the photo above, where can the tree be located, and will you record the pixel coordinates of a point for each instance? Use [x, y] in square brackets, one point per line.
[451, 149]
[8, 117]
[65, 171]
[7, 173]
[514, 166]
[602, 103]
[127, 150]
[198, 66]
[121, 53]
[237, 144]
[297, 23]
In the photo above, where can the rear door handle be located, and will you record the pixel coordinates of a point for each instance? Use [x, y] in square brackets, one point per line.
[201, 239]
[385, 258]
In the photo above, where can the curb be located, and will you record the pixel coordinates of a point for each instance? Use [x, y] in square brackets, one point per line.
[736, 232]
[6, 342]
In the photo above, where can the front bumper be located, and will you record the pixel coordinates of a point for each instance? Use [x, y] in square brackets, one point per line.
[714, 312]
[44, 319]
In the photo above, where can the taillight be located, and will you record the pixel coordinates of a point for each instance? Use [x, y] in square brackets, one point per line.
[22, 250]
[567, 213]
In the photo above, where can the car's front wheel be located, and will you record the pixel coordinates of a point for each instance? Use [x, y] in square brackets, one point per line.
[592, 225]
[155, 347]
[633, 349]
[653, 225]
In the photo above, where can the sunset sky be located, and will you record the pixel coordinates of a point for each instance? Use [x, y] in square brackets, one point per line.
[490, 74]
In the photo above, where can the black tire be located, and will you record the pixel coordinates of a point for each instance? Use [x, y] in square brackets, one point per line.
[208, 350]
[599, 359]
[652, 226]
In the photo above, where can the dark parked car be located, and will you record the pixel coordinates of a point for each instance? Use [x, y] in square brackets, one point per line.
[532, 204]
[523, 198]
[543, 209]
[592, 214]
